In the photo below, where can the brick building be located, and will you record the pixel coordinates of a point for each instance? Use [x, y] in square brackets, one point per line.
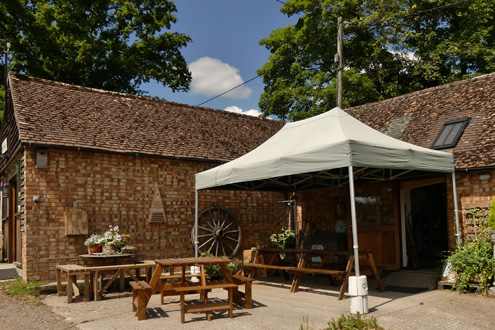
[109, 156]
[76, 160]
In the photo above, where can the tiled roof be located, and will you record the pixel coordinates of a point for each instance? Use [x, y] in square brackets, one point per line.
[57, 114]
[418, 117]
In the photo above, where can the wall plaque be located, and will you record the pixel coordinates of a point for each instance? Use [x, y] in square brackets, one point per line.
[157, 212]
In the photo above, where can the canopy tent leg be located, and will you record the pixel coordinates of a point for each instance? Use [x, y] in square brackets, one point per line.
[196, 223]
[296, 220]
[359, 302]
[456, 211]
[355, 244]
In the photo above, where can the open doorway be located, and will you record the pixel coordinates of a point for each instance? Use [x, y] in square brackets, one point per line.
[426, 227]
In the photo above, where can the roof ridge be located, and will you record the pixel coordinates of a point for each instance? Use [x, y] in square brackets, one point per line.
[134, 96]
[426, 91]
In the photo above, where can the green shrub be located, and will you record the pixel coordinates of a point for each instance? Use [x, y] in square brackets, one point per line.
[491, 216]
[474, 264]
[353, 321]
[216, 271]
[286, 239]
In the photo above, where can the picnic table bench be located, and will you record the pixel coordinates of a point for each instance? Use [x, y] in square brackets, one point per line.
[306, 263]
[94, 278]
[98, 272]
[184, 286]
[205, 306]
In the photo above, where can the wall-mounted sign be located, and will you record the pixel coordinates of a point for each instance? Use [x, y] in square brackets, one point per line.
[157, 212]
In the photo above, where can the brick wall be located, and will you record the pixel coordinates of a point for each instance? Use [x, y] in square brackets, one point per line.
[118, 190]
[471, 193]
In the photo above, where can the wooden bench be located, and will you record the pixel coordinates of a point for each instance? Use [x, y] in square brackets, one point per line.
[205, 307]
[72, 272]
[168, 289]
[297, 271]
[118, 271]
[140, 293]
[247, 295]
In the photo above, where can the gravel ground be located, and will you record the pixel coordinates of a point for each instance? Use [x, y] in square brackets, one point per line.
[29, 314]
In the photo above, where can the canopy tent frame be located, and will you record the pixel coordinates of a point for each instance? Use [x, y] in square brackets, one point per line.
[329, 150]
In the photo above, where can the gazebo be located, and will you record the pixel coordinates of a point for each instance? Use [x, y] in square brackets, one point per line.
[328, 150]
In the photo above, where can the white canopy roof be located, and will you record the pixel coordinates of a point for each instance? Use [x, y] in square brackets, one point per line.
[316, 152]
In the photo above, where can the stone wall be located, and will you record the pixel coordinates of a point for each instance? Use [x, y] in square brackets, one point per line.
[118, 190]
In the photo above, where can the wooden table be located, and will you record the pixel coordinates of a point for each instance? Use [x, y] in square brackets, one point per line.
[98, 272]
[304, 264]
[183, 286]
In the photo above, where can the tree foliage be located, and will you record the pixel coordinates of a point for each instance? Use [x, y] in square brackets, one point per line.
[391, 47]
[111, 44]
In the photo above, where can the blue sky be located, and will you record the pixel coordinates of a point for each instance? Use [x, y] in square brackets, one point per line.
[224, 51]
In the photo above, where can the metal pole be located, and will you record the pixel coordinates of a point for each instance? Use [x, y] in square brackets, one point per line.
[196, 223]
[456, 211]
[340, 69]
[355, 244]
[296, 220]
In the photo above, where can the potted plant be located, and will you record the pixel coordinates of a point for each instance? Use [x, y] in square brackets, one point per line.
[286, 239]
[94, 243]
[114, 240]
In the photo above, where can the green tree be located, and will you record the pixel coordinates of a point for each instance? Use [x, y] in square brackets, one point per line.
[110, 44]
[391, 47]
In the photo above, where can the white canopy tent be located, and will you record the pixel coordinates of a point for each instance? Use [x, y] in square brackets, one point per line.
[327, 150]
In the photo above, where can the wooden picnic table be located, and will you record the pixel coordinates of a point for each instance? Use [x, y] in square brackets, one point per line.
[184, 286]
[305, 264]
[94, 277]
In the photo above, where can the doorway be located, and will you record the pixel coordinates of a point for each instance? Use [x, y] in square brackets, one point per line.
[426, 227]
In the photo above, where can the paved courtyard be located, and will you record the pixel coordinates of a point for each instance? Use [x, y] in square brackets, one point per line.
[315, 304]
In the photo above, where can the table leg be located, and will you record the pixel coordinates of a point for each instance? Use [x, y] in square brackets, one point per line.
[60, 291]
[96, 288]
[86, 286]
[205, 301]
[182, 307]
[375, 272]
[348, 270]
[122, 281]
[231, 307]
[69, 288]
[295, 283]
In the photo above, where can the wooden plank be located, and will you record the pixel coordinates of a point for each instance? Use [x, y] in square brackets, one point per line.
[209, 307]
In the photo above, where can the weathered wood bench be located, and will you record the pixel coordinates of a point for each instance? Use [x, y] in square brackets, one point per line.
[140, 293]
[72, 272]
[118, 271]
[297, 271]
[205, 307]
[247, 295]
[168, 289]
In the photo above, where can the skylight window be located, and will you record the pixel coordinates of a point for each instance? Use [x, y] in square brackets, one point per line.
[450, 133]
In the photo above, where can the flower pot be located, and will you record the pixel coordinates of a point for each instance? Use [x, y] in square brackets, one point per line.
[109, 249]
[94, 249]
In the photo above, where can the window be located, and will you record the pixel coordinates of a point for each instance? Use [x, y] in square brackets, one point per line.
[450, 133]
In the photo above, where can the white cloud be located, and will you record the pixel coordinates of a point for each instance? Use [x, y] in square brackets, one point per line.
[211, 77]
[251, 112]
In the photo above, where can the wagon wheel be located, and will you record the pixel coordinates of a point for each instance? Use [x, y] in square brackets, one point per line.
[219, 232]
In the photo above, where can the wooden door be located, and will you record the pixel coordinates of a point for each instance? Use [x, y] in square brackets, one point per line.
[13, 225]
[377, 215]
